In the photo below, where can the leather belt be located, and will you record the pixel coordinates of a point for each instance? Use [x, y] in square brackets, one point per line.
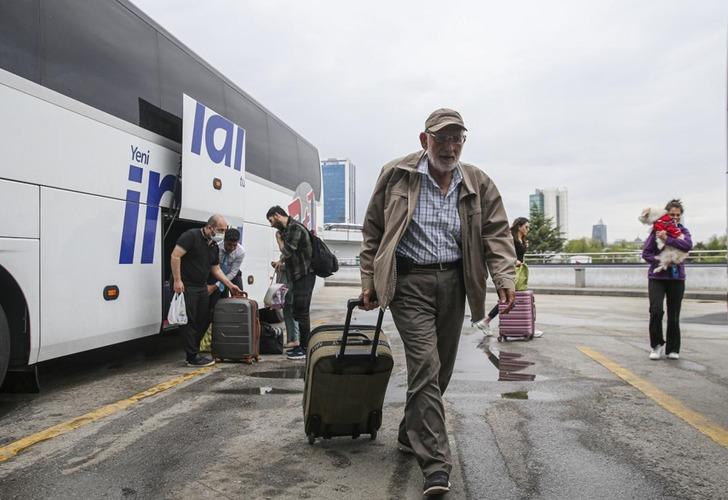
[439, 266]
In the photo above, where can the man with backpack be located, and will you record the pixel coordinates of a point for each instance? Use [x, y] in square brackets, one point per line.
[296, 245]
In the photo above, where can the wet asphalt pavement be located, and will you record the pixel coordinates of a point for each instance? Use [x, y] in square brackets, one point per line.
[576, 431]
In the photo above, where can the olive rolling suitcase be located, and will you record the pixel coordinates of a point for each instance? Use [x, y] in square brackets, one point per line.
[236, 329]
[520, 322]
[347, 372]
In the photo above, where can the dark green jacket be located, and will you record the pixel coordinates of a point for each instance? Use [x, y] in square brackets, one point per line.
[297, 250]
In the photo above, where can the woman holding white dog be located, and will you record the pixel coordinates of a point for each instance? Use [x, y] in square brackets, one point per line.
[666, 283]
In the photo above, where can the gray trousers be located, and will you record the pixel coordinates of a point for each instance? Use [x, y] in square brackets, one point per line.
[428, 310]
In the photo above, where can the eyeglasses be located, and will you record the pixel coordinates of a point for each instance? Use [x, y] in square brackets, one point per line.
[450, 139]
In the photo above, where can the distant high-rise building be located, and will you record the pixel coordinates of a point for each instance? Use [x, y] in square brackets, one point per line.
[535, 201]
[599, 232]
[553, 203]
[339, 190]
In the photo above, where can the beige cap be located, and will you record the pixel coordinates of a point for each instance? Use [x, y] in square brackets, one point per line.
[441, 118]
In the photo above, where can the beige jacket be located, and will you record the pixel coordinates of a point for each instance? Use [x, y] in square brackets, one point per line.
[486, 238]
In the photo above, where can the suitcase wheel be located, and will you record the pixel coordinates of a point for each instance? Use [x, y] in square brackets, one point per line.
[311, 438]
[500, 339]
[373, 435]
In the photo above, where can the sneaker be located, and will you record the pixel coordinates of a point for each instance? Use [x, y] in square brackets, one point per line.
[405, 448]
[673, 355]
[437, 483]
[537, 334]
[297, 353]
[200, 360]
[483, 326]
[656, 353]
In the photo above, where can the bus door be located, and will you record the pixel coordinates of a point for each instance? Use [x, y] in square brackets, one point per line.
[213, 165]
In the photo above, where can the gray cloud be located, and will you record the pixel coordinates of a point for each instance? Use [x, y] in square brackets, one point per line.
[622, 102]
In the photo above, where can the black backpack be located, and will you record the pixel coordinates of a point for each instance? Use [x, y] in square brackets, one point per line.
[271, 339]
[323, 260]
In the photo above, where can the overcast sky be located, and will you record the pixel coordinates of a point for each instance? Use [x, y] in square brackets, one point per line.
[621, 102]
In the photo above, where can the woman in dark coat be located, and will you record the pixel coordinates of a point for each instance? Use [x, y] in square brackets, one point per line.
[666, 284]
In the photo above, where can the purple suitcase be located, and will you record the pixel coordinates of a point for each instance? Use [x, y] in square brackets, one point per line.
[521, 321]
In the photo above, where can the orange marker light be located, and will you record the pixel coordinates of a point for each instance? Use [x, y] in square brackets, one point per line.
[111, 292]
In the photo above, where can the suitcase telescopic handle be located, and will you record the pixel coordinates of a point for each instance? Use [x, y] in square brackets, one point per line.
[350, 306]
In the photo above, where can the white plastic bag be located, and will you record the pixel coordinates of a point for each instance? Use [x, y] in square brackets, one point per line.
[275, 297]
[177, 310]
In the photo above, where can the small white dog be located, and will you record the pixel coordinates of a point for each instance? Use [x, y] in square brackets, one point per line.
[660, 221]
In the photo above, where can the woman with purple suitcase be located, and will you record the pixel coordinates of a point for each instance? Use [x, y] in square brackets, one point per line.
[666, 284]
[519, 230]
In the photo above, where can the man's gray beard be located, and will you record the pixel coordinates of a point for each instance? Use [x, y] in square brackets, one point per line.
[437, 166]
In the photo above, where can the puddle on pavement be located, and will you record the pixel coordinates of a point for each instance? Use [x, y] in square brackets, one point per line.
[511, 366]
[515, 395]
[531, 395]
[287, 372]
[258, 391]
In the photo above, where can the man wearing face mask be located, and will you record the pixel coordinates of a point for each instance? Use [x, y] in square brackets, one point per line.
[434, 228]
[194, 258]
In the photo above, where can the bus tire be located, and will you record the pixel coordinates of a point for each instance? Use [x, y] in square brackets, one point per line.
[4, 345]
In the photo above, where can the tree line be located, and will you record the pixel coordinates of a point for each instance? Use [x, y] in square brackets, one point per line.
[545, 237]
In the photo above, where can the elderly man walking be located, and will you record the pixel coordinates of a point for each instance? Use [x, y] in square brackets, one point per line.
[432, 225]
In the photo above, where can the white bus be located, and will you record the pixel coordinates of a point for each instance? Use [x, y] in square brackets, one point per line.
[92, 177]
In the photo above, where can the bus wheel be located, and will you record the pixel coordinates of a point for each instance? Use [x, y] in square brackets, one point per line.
[4, 345]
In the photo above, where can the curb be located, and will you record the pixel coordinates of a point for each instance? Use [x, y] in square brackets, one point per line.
[619, 292]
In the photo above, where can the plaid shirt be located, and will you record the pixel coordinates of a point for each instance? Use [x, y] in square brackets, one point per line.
[297, 250]
[434, 234]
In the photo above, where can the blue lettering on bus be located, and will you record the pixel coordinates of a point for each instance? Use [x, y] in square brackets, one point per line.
[231, 132]
[131, 214]
[197, 128]
[155, 191]
[157, 187]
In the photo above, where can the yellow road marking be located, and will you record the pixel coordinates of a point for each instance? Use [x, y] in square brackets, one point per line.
[697, 420]
[16, 447]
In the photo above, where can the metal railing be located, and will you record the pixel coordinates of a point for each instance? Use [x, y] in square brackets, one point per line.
[627, 257]
[349, 262]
